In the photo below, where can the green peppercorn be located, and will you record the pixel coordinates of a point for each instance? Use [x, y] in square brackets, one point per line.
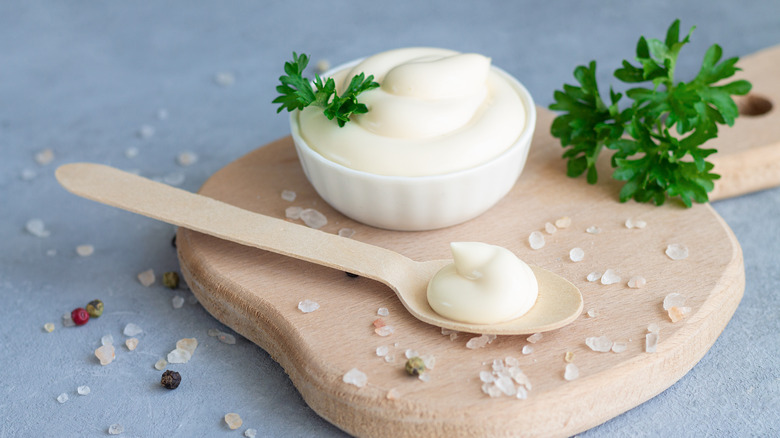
[170, 379]
[415, 366]
[171, 280]
[95, 308]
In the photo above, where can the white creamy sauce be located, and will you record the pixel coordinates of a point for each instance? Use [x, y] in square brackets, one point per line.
[437, 111]
[486, 284]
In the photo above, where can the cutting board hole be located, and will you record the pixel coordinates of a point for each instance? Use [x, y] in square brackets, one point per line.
[752, 105]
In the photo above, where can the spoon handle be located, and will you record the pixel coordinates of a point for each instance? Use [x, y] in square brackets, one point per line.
[136, 194]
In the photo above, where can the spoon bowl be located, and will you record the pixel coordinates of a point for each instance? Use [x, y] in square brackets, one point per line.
[559, 302]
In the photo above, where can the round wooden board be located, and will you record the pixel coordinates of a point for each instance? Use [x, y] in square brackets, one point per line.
[257, 294]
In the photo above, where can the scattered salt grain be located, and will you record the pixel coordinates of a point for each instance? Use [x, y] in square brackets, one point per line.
[346, 232]
[83, 390]
[250, 433]
[563, 222]
[293, 213]
[115, 429]
[594, 276]
[393, 394]
[506, 378]
[653, 328]
[576, 254]
[619, 347]
[131, 343]
[550, 228]
[651, 342]
[675, 251]
[601, 344]
[187, 158]
[429, 360]
[536, 240]
[355, 377]
[527, 349]
[179, 356]
[28, 174]
[288, 195]
[174, 179]
[105, 354]
[131, 152]
[107, 340]
[637, 282]
[410, 353]
[382, 311]
[610, 277]
[386, 330]
[44, 157]
[160, 364]
[49, 327]
[678, 313]
[146, 131]
[674, 300]
[593, 230]
[224, 79]
[233, 420]
[480, 341]
[37, 228]
[62, 398]
[571, 372]
[534, 338]
[382, 350]
[132, 330]
[67, 320]
[425, 377]
[313, 218]
[187, 344]
[225, 338]
[85, 250]
[308, 306]
[177, 302]
[147, 277]
[390, 358]
[631, 223]
[592, 313]
[522, 393]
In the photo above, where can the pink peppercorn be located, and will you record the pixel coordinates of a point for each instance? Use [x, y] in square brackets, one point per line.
[79, 316]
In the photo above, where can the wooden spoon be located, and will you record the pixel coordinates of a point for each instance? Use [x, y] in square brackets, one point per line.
[558, 304]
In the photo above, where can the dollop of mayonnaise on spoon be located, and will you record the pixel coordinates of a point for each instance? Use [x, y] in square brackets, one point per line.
[485, 284]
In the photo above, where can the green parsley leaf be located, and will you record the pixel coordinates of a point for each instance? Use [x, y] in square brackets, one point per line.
[297, 92]
[654, 162]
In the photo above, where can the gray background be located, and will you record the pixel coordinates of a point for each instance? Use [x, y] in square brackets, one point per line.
[81, 78]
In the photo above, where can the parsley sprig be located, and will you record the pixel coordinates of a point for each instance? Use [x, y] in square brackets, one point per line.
[296, 92]
[657, 139]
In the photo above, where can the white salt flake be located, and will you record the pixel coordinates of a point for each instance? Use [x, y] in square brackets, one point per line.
[674, 300]
[85, 250]
[637, 282]
[386, 330]
[132, 330]
[160, 364]
[147, 277]
[293, 213]
[44, 157]
[410, 353]
[486, 376]
[651, 342]
[308, 306]
[115, 429]
[390, 358]
[619, 347]
[179, 356]
[550, 228]
[522, 393]
[62, 398]
[250, 433]
[131, 344]
[187, 158]
[107, 340]
[67, 320]
[601, 344]
[536, 240]
[593, 230]
[571, 372]
[346, 232]
[527, 349]
[187, 344]
[131, 152]
[382, 350]
[676, 251]
[224, 79]
[105, 354]
[592, 313]
[563, 222]
[425, 377]
[653, 328]
[480, 341]
[83, 390]
[313, 218]
[37, 228]
[534, 338]
[177, 302]
[355, 377]
[146, 131]
[631, 223]
[49, 327]
[594, 276]
[382, 311]
[289, 195]
[506, 385]
[576, 254]
[610, 277]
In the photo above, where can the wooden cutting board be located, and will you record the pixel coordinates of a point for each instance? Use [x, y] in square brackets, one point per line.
[257, 293]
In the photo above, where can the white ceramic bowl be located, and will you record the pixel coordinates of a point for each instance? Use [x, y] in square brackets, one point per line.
[423, 202]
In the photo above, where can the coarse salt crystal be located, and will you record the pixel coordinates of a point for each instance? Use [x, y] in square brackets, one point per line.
[308, 306]
[289, 195]
[85, 250]
[174, 178]
[653, 328]
[571, 372]
[293, 212]
[382, 350]
[486, 376]
[107, 340]
[576, 254]
[386, 330]
[146, 131]
[637, 282]
[527, 349]
[44, 157]
[536, 240]
[83, 390]
[393, 394]
[651, 342]
[313, 218]
[224, 79]
[67, 320]
[563, 222]
[610, 277]
[592, 313]
[593, 230]
[382, 311]
[187, 344]
[131, 343]
[522, 393]
[132, 330]
[674, 300]
[250, 433]
[37, 228]
[233, 420]
[676, 251]
[177, 302]
[534, 338]
[346, 232]
[390, 358]
[410, 353]
[601, 344]
[160, 364]
[619, 346]
[179, 356]
[631, 223]
[594, 276]
[49, 327]
[479, 341]
[550, 228]
[425, 377]
[355, 377]
[62, 398]
[147, 277]
[115, 429]
[678, 313]
[105, 354]
[187, 158]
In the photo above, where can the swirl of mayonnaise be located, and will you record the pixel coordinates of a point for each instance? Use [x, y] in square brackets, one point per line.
[485, 284]
[437, 111]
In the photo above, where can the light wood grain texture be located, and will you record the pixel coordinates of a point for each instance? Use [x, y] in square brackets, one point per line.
[257, 293]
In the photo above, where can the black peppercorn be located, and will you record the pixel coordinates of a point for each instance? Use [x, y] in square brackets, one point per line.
[170, 379]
